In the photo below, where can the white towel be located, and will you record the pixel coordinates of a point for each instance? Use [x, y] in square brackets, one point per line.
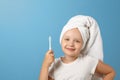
[90, 32]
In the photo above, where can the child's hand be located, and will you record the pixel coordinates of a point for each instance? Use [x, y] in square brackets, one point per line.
[49, 58]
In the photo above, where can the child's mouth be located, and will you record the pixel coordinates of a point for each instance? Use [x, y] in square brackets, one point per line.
[70, 49]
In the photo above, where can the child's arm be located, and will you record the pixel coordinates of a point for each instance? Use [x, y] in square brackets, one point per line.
[49, 58]
[106, 70]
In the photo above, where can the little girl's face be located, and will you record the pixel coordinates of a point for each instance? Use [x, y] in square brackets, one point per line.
[72, 43]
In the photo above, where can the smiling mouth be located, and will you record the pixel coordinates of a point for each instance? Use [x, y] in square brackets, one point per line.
[70, 49]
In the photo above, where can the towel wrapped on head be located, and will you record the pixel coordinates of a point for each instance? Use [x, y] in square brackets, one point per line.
[90, 32]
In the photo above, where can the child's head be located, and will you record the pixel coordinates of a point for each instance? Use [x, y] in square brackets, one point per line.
[72, 42]
[76, 23]
[89, 33]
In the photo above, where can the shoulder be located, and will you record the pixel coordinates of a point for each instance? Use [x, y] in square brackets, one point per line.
[93, 63]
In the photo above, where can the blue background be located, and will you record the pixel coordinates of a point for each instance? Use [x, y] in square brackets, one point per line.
[26, 24]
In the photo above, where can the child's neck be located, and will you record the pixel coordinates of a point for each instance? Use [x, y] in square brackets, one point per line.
[67, 59]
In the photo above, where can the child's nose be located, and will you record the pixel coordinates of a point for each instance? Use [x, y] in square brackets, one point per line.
[71, 43]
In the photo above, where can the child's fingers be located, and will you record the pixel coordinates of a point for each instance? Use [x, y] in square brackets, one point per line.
[50, 52]
[50, 55]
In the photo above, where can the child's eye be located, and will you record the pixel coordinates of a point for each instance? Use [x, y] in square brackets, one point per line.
[67, 39]
[77, 41]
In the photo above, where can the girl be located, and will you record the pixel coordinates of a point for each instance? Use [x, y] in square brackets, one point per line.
[82, 45]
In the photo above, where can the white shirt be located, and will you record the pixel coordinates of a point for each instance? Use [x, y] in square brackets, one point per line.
[81, 69]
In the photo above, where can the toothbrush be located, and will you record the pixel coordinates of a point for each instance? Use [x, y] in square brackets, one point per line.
[50, 42]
